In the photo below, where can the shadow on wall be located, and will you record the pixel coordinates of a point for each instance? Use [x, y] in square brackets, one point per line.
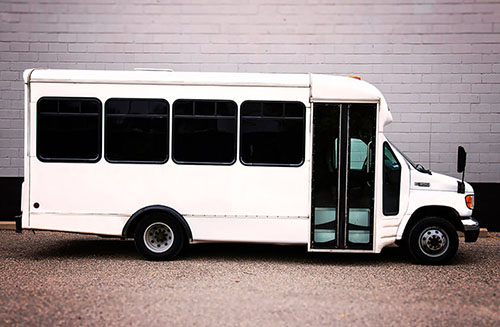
[485, 210]
[10, 197]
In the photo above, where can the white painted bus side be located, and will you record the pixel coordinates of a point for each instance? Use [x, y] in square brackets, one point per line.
[222, 203]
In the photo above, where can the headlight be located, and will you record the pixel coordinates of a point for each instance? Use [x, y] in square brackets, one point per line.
[469, 201]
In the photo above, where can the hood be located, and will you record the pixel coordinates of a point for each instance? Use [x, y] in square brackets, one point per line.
[436, 182]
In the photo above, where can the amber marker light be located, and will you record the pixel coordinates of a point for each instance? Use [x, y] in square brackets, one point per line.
[469, 201]
[356, 77]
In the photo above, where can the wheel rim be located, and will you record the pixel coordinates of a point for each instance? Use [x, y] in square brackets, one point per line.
[158, 237]
[433, 241]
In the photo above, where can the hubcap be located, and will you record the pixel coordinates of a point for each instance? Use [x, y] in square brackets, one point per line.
[158, 237]
[433, 241]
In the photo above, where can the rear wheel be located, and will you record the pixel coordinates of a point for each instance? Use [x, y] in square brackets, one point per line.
[432, 240]
[159, 237]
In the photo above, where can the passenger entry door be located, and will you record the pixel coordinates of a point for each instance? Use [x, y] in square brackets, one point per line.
[343, 176]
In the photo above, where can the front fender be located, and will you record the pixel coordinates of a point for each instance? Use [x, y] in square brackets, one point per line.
[436, 202]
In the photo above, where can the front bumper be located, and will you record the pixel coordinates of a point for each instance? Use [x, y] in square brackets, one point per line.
[471, 229]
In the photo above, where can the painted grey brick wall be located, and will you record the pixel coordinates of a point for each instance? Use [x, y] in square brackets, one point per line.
[438, 62]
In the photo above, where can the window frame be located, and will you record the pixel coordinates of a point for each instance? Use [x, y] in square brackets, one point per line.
[149, 162]
[206, 163]
[384, 211]
[303, 139]
[99, 129]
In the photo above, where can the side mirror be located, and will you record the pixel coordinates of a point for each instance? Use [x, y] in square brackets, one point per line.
[462, 158]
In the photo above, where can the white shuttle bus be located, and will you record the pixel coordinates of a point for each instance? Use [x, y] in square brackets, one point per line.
[173, 158]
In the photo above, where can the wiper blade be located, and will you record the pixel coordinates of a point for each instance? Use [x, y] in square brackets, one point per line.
[422, 169]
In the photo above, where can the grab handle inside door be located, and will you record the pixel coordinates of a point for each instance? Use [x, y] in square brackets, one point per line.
[368, 157]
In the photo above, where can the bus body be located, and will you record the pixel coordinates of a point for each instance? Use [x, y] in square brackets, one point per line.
[173, 158]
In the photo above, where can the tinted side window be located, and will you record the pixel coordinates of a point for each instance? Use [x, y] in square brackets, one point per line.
[204, 131]
[136, 130]
[391, 182]
[69, 129]
[272, 133]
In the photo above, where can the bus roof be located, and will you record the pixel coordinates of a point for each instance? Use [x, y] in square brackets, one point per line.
[322, 87]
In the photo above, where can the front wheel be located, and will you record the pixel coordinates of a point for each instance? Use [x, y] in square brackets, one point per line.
[159, 237]
[432, 240]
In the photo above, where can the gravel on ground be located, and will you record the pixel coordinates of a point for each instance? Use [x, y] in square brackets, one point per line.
[57, 279]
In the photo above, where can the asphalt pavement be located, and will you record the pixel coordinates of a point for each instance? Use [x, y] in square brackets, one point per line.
[57, 279]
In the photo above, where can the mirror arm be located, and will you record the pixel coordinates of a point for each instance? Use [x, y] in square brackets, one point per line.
[461, 187]
[461, 184]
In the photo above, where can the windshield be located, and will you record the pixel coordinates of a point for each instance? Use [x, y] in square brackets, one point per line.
[417, 166]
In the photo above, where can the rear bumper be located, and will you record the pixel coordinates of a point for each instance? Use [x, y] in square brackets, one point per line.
[18, 220]
[471, 229]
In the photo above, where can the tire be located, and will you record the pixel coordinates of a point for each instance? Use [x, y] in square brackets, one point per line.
[159, 237]
[432, 241]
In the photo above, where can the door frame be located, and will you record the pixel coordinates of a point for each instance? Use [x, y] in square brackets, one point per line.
[377, 178]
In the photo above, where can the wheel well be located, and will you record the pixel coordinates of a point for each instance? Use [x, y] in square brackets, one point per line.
[438, 211]
[129, 228]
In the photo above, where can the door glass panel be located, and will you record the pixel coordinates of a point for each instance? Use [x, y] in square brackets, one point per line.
[360, 175]
[325, 175]
[343, 175]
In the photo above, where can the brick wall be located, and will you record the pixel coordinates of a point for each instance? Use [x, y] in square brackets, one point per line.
[438, 62]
